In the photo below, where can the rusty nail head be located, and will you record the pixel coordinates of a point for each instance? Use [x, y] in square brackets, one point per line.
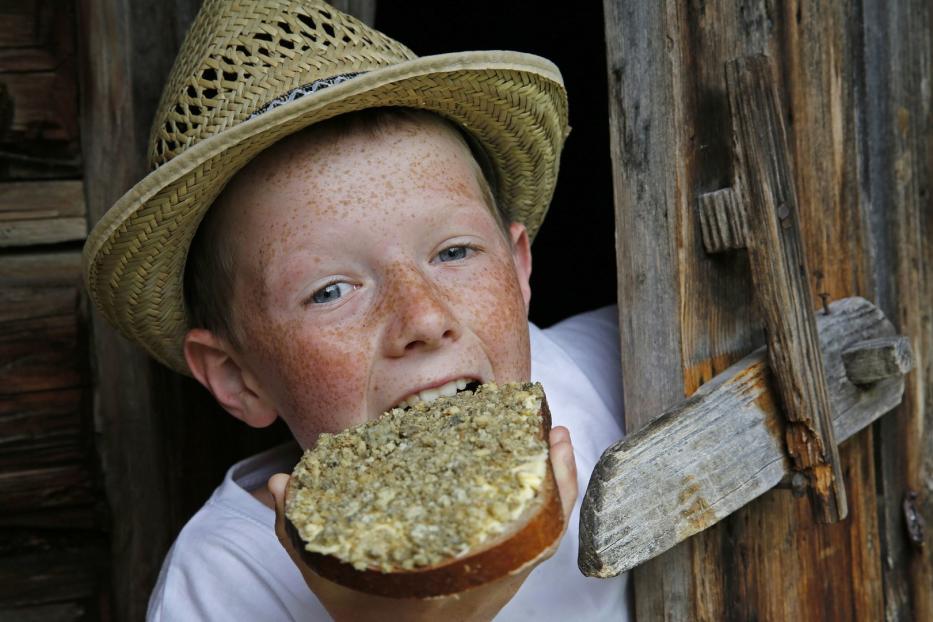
[798, 484]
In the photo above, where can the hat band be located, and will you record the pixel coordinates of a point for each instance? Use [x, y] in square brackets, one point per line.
[300, 91]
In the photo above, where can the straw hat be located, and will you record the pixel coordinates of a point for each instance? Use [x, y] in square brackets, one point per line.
[252, 72]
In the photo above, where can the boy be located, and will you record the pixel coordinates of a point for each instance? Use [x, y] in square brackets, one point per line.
[342, 270]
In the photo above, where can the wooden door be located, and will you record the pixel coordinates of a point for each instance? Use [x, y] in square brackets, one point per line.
[857, 117]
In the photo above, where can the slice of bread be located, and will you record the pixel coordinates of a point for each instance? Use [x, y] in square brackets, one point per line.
[431, 500]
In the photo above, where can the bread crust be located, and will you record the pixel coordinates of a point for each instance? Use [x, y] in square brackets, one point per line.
[506, 555]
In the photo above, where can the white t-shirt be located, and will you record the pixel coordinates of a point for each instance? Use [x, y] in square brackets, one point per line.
[227, 564]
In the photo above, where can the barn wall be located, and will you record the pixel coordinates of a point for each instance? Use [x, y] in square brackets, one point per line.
[54, 541]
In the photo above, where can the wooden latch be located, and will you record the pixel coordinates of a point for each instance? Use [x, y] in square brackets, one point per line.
[724, 445]
[775, 416]
[759, 212]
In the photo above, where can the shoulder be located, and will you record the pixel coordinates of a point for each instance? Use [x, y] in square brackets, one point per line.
[581, 355]
[590, 338]
[227, 565]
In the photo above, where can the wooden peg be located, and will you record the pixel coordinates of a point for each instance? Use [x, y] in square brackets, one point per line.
[722, 221]
[876, 359]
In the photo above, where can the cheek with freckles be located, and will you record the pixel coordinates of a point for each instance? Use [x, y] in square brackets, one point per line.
[490, 302]
[317, 379]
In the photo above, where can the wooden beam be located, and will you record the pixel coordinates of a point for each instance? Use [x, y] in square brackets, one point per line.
[648, 135]
[779, 270]
[717, 451]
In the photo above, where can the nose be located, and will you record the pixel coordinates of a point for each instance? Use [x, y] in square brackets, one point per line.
[419, 316]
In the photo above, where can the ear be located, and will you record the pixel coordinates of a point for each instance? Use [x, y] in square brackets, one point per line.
[211, 361]
[521, 255]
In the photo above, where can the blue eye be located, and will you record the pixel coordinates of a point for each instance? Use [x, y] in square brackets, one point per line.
[454, 253]
[330, 293]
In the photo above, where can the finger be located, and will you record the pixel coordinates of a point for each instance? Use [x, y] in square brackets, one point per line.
[565, 468]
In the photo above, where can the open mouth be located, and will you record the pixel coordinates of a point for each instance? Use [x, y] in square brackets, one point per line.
[445, 390]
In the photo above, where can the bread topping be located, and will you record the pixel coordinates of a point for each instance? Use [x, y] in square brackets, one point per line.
[423, 484]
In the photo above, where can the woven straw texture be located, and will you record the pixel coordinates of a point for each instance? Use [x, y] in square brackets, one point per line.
[240, 56]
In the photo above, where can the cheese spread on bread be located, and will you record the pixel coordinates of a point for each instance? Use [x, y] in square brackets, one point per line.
[423, 484]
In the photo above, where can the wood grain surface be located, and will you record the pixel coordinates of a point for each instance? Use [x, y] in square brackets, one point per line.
[861, 168]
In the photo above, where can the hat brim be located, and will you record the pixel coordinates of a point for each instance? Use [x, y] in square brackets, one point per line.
[513, 104]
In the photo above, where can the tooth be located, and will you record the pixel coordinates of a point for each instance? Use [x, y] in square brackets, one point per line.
[449, 389]
[429, 395]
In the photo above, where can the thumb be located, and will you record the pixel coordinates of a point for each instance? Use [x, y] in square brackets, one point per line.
[565, 468]
[277, 485]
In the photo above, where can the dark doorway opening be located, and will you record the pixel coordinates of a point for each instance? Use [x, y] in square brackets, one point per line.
[574, 253]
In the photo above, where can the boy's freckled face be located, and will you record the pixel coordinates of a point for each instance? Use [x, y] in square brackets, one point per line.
[368, 268]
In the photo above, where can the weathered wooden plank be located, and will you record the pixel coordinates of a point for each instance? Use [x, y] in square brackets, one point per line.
[26, 59]
[34, 285]
[896, 138]
[44, 231]
[115, 114]
[40, 567]
[21, 24]
[46, 106]
[40, 354]
[89, 518]
[779, 269]
[21, 200]
[645, 137]
[56, 268]
[152, 422]
[716, 451]
[42, 212]
[48, 487]
[41, 428]
[835, 569]
[38, 95]
[717, 314]
[58, 612]
[674, 52]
